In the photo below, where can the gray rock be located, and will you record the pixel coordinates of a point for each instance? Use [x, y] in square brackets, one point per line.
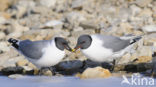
[88, 25]
[4, 46]
[55, 24]
[2, 35]
[77, 4]
[69, 67]
[143, 3]
[48, 3]
[12, 70]
[2, 20]
[15, 76]
[149, 28]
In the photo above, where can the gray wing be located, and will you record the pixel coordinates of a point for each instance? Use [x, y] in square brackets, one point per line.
[114, 43]
[32, 49]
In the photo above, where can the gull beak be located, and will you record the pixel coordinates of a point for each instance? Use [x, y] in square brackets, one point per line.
[76, 48]
[68, 48]
[73, 50]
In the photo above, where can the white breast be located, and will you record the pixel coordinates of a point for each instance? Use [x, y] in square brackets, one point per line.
[52, 56]
[96, 51]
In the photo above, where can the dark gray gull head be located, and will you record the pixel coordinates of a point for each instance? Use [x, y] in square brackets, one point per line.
[83, 42]
[62, 44]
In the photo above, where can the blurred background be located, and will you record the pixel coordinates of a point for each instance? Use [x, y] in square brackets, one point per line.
[44, 19]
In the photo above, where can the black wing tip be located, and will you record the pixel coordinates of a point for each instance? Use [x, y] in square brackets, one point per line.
[136, 39]
[10, 40]
[13, 42]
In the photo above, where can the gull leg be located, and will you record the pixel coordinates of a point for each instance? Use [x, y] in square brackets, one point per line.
[114, 61]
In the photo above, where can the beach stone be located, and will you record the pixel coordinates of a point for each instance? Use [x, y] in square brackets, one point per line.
[140, 67]
[149, 28]
[55, 24]
[23, 62]
[45, 72]
[145, 13]
[12, 70]
[2, 35]
[2, 20]
[143, 59]
[48, 3]
[143, 3]
[15, 76]
[4, 4]
[97, 72]
[4, 46]
[77, 4]
[6, 15]
[38, 34]
[88, 25]
[69, 67]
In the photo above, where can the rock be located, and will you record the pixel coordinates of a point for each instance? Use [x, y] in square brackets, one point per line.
[97, 72]
[21, 11]
[78, 33]
[135, 10]
[143, 3]
[16, 27]
[143, 59]
[48, 3]
[11, 62]
[69, 67]
[2, 35]
[145, 13]
[55, 24]
[125, 59]
[6, 15]
[4, 46]
[74, 18]
[16, 30]
[12, 70]
[15, 76]
[4, 4]
[91, 64]
[141, 67]
[46, 72]
[2, 20]
[149, 28]
[77, 4]
[88, 25]
[23, 62]
[27, 68]
[39, 34]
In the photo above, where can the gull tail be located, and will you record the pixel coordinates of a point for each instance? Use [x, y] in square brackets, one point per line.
[14, 43]
[135, 39]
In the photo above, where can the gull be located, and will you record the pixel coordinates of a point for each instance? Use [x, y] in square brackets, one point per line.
[42, 53]
[104, 48]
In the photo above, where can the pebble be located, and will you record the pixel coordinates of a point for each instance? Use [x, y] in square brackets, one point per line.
[97, 72]
[4, 46]
[143, 3]
[69, 67]
[4, 4]
[149, 28]
[2, 35]
[48, 3]
[12, 70]
[15, 76]
[55, 24]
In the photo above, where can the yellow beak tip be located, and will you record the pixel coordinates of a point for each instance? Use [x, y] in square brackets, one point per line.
[73, 50]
